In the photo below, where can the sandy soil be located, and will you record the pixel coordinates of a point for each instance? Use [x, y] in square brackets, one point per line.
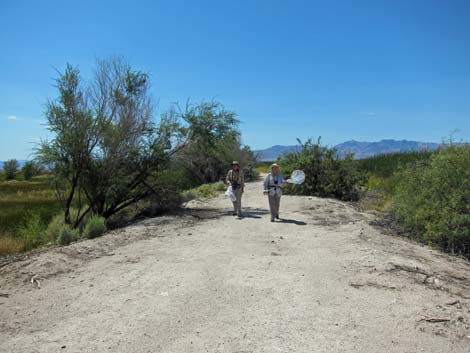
[325, 279]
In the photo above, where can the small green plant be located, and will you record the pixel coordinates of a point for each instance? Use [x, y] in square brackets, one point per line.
[58, 231]
[67, 235]
[32, 230]
[95, 227]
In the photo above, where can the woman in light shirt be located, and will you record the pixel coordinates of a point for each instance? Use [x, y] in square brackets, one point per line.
[272, 187]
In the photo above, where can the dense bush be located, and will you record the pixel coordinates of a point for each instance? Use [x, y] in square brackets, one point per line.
[95, 227]
[67, 235]
[204, 191]
[10, 168]
[326, 174]
[60, 232]
[432, 200]
[30, 169]
[386, 164]
[213, 142]
[32, 231]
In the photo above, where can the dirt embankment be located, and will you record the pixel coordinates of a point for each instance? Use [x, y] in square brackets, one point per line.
[322, 280]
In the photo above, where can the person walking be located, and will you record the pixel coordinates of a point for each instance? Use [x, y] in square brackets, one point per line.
[272, 187]
[236, 180]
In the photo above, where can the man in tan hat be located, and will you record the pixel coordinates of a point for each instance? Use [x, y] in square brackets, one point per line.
[272, 187]
[237, 181]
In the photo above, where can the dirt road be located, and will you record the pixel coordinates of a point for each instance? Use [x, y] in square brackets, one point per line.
[325, 279]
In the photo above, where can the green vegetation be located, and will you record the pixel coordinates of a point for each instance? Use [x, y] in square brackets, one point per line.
[25, 210]
[95, 227]
[385, 165]
[67, 235]
[10, 168]
[427, 194]
[204, 191]
[381, 173]
[432, 200]
[263, 167]
[214, 142]
[30, 169]
[327, 174]
[108, 152]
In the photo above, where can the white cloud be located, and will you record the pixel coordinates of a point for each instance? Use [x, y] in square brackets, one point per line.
[369, 113]
[12, 117]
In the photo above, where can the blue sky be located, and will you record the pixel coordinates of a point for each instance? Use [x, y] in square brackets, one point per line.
[363, 70]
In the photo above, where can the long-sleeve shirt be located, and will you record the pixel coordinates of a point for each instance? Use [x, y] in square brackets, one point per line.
[273, 181]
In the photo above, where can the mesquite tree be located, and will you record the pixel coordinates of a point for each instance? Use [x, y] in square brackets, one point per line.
[106, 148]
[213, 141]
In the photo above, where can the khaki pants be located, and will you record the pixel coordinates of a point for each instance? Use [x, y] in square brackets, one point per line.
[274, 202]
[237, 205]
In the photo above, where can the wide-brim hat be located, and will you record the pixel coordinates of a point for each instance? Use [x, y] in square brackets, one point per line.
[235, 162]
[274, 165]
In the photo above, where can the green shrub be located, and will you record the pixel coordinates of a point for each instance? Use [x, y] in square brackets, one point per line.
[67, 235]
[30, 169]
[204, 191]
[10, 168]
[58, 231]
[54, 227]
[326, 174]
[95, 227]
[32, 231]
[432, 200]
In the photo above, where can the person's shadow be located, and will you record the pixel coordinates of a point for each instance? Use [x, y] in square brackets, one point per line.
[250, 212]
[292, 221]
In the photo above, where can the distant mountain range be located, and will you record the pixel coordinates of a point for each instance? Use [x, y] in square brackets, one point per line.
[360, 149]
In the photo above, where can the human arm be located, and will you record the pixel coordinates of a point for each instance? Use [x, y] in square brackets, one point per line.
[241, 177]
[266, 184]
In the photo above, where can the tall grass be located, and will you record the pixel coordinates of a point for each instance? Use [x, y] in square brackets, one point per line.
[204, 191]
[386, 164]
[381, 173]
[427, 194]
[25, 210]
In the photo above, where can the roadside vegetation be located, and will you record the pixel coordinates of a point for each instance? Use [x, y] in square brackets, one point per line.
[425, 194]
[111, 161]
[327, 174]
